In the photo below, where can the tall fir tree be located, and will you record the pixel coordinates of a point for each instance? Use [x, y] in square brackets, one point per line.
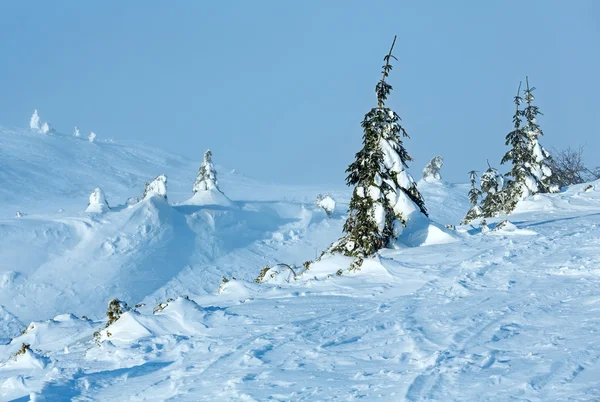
[530, 173]
[385, 195]
[474, 194]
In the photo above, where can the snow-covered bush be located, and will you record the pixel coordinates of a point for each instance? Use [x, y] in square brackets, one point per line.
[20, 214]
[92, 137]
[432, 169]
[46, 128]
[116, 308]
[326, 203]
[207, 175]
[97, 202]
[76, 132]
[35, 123]
[474, 194]
[157, 187]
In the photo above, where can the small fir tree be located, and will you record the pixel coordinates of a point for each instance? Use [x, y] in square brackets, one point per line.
[207, 175]
[474, 194]
[35, 123]
[385, 195]
[76, 132]
[158, 187]
[495, 195]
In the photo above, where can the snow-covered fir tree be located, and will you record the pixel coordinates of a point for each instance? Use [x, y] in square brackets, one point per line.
[494, 193]
[76, 132]
[530, 173]
[92, 137]
[158, 187]
[385, 195]
[35, 123]
[431, 172]
[207, 175]
[474, 194]
[98, 203]
[46, 128]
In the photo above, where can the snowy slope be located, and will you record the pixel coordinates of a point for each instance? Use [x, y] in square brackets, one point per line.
[507, 314]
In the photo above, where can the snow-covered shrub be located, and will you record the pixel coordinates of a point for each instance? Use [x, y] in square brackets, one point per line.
[76, 132]
[326, 203]
[98, 203]
[157, 187]
[20, 214]
[46, 128]
[35, 123]
[207, 175]
[92, 137]
[432, 169]
[116, 308]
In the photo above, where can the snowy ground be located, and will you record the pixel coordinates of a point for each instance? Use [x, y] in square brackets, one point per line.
[512, 313]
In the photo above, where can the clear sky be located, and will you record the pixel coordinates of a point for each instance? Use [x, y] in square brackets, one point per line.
[277, 89]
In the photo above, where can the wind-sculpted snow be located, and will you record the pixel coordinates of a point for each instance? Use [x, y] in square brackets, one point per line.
[505, 313]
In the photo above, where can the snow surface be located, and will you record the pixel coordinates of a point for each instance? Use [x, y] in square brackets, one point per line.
[509, 314]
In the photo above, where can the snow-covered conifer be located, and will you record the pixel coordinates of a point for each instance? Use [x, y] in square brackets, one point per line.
[530, 172]
[46, 128]
[385, 195]
[474, 194]
[35, 123]
[496, 198]
[207, 175]
[76, 132]
[92, 137]
[157, 187]
[432, 169]
[97, 202]
[326, 203]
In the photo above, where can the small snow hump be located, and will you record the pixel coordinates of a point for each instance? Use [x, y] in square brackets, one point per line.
[157, 187]
[431, 171]
[97, 202]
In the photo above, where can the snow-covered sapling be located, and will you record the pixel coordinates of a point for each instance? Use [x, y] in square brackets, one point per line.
[474, 194]
[116, 308]
[496, 198]
[35, 123]
[385, 195]
[431, 172]
[46, 128]
[157, 187]
[97, 202]
[326, 203]
[92, 137]
[207, 175]
[76, 132]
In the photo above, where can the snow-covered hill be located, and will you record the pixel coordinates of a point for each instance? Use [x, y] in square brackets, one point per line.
[506, 314]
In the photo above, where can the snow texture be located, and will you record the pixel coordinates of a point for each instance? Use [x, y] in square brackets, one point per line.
[509, 314]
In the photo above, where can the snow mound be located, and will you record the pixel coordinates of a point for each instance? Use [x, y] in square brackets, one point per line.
[61, 331]
[208, 198]
[181, 316]
[421, 231]
[24, 361]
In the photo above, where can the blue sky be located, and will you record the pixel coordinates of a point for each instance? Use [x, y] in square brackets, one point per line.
[277, 89]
